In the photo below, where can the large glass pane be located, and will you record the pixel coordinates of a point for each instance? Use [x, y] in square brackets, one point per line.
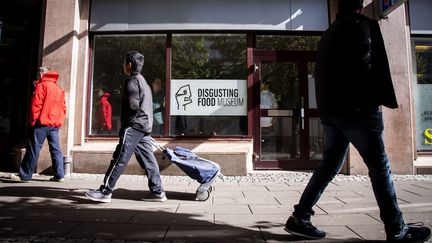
[422, 53]
[316, 139]
[311, 86]
[280, 135]
[287, 43]
[208, 58]
[282, 80]
[281, 141]
[108, 78]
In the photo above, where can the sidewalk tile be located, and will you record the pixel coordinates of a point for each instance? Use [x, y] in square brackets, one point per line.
[214, 234]
[369, 233]
[278, 209]
[119, 231]
[35, 227]
[163, 218]
[93, 215]
[244, 200]
[345, 219]
[214, 209]
[267, 221]
[350, 209]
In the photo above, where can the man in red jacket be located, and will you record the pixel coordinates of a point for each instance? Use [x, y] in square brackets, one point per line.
[48, 110]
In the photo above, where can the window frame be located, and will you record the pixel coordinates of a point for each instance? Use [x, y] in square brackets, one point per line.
[250, 47]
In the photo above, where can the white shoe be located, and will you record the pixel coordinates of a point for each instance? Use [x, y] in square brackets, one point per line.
[17, 178]
[98, 196]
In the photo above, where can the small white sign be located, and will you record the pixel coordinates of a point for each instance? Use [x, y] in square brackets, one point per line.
[208, 97]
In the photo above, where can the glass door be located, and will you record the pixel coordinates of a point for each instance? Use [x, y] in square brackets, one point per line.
[287, 134]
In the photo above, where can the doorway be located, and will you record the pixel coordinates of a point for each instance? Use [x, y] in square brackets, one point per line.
[20, 36]
[287, 131]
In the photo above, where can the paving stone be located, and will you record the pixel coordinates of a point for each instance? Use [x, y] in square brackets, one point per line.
[163, 218]
[93, 215]
[119, 231]
[214, 234]
[345, 219]
[369, 233]
[251, 208]
[278, 209]
[214, 209]
[35, 227]
[251, 220]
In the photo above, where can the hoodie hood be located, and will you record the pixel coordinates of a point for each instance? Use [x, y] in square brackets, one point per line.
[137, 61]
[50, 76]
[105, 96]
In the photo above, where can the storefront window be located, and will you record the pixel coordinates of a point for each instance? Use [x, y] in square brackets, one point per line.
[108, 79]
[208, 85]
[422, 53]
[287, 43]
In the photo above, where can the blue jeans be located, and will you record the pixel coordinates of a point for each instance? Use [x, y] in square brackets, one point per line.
[36, 140]
[364, 130]
[133, 141]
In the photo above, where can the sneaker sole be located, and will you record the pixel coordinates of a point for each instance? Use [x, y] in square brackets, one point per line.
[98, 200]
[54, 180]
[13, 181]
[155, 199]
[302, 235]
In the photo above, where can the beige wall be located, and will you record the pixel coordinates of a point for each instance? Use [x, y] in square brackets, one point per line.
[65, 47]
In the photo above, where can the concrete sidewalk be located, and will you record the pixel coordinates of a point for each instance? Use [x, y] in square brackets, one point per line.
[253, 208]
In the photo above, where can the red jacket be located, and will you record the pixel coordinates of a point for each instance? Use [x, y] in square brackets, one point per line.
[104, 112]
[48, 105]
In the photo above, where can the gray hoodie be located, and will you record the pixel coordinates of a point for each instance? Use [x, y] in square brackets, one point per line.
[137, 103]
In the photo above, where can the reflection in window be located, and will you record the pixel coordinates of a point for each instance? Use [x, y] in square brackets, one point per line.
[422, 53]
[108, 78]
[210, 56]
[287, 43]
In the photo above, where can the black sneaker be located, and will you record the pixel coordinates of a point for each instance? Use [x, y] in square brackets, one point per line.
[415, 232]
[57, 179]
[303, 228]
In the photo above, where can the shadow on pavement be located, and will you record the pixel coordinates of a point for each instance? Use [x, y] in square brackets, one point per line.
[37, 212]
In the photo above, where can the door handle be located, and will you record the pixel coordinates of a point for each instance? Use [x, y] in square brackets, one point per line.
[302, 115]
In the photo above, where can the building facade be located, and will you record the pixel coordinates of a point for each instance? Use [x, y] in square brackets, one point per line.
[232, 80]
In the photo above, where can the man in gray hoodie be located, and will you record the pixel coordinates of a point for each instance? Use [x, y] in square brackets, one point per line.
[136, 126]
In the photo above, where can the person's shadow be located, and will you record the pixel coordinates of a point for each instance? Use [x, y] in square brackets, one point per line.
[30, 210]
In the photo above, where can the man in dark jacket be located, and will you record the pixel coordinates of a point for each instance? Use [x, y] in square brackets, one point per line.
[136, 126]
[353, 80]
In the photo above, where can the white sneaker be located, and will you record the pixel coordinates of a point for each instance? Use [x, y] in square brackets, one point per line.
[17, 178]
[98, 196]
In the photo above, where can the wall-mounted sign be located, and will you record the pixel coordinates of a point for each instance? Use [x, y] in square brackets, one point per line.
[387, 6]
[428, 136]
[208, 97]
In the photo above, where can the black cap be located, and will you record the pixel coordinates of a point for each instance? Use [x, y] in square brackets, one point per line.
[350, 5]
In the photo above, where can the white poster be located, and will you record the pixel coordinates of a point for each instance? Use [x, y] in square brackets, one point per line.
[208, 97]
